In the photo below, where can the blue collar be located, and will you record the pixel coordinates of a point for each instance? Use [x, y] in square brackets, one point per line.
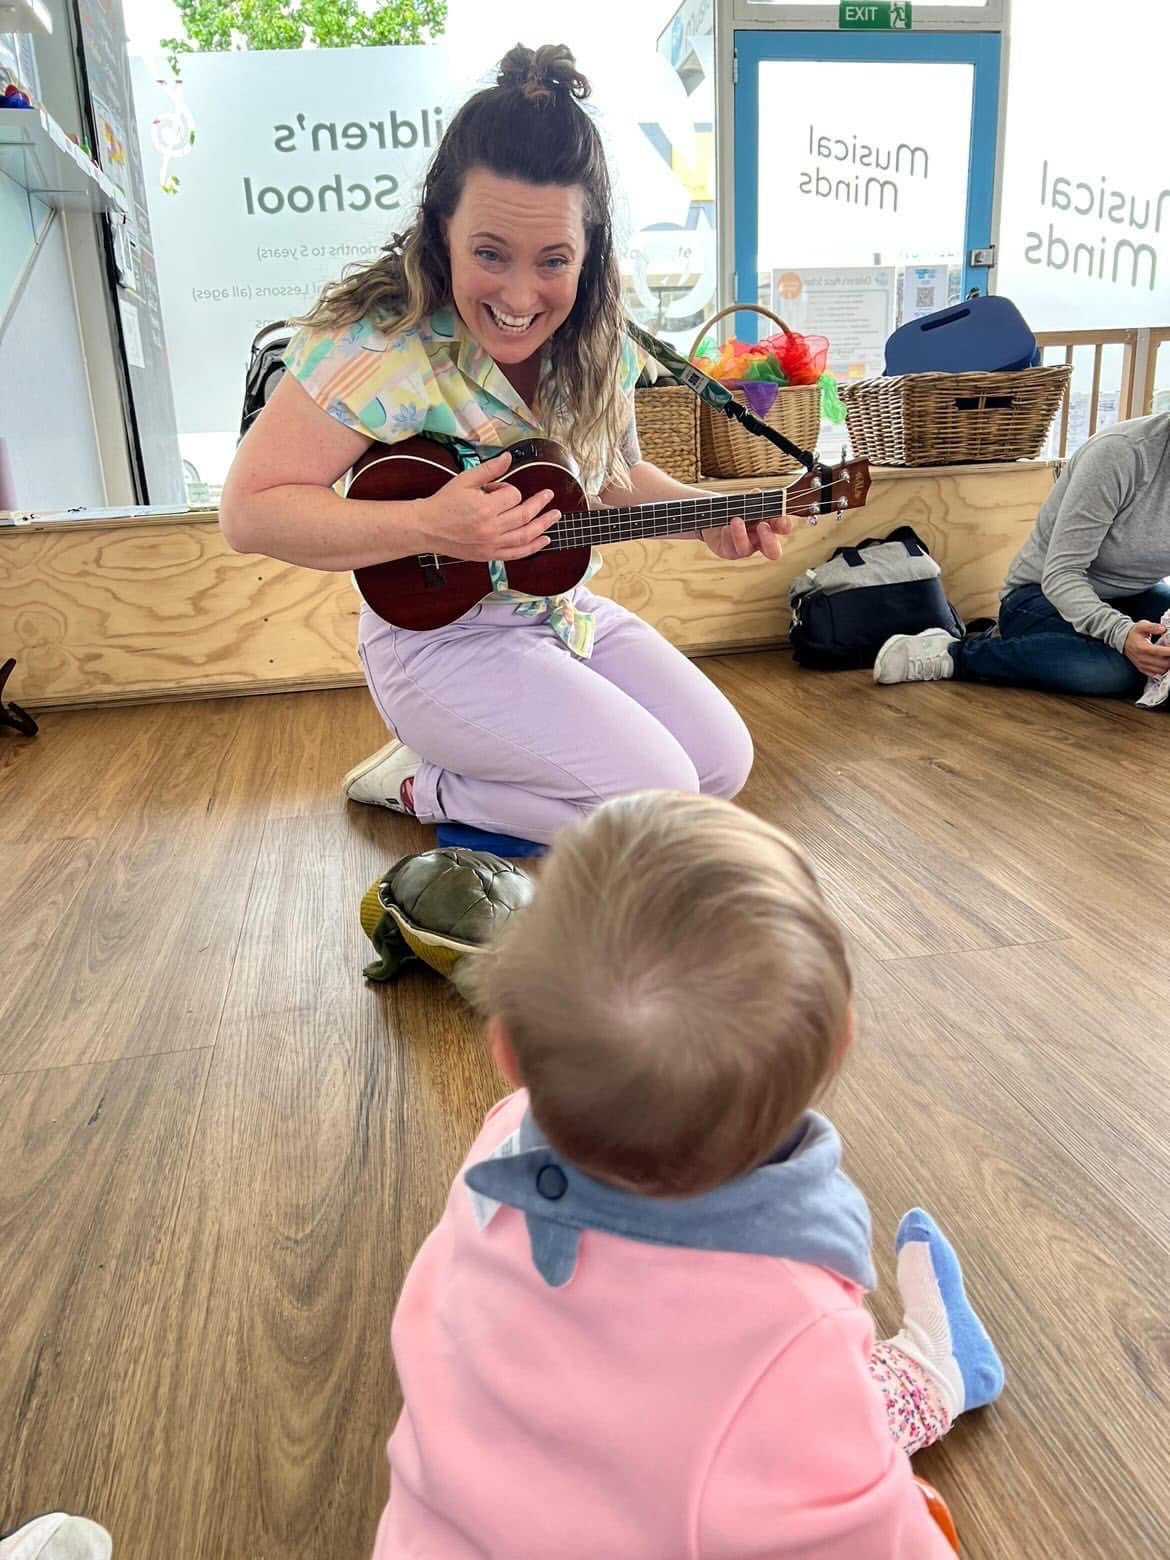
[799, 1205]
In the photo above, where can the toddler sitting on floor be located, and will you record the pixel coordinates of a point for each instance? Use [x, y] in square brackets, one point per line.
[639, 1328]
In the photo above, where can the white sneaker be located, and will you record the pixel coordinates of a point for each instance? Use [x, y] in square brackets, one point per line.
[924, 657]
[378, 780]
[58, 1536]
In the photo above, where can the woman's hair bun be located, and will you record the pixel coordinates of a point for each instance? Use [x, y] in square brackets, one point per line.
[543, 74]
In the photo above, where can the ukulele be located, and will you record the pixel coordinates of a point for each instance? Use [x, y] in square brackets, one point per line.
[430, 590]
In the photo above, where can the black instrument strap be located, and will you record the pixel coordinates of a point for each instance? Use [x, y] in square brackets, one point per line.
[718, 397]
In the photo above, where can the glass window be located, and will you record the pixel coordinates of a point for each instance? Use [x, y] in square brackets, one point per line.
[862, 197]
[317, 162]
[1084, 239]
[22, 216]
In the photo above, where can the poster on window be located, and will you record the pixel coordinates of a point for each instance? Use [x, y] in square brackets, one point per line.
[269, 172]
[924, 291]
[853, 306]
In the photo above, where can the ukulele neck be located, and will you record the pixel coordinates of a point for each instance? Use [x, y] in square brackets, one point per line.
[677, 516]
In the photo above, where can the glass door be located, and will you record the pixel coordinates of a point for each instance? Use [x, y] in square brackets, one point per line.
[864, 179]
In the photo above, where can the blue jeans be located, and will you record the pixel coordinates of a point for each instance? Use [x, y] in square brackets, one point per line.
[1037, 648]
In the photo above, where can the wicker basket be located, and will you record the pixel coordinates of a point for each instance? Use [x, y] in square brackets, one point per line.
[954, 419]
[668, 429]
[726, 449]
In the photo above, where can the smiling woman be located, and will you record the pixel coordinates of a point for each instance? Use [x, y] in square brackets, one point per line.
[520, 175]
[517, 287]
[493, 318]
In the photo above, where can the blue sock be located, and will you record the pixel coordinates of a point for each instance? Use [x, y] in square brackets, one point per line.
[941, 1329]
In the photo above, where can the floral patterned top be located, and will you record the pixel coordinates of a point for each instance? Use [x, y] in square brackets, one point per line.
[436, 379]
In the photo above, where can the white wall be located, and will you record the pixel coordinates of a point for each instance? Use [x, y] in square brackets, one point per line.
[21, 219]
[45, 415]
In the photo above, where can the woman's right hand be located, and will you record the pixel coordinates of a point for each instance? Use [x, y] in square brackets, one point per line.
[479, 517]
[1139, 647]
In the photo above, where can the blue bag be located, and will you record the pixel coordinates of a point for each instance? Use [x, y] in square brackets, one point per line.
[844, 611]
[981, 335]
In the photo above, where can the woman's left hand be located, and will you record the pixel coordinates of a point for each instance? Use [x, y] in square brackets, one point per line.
[741, 540]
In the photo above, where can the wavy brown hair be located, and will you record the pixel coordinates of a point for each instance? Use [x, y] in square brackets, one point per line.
[529, 126]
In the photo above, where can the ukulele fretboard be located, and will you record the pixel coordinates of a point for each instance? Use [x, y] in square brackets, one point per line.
[673, 517]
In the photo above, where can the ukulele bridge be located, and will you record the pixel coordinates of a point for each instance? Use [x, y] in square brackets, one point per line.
[431, 569]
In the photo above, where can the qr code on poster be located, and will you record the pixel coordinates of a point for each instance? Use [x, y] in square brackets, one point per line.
[924, 297]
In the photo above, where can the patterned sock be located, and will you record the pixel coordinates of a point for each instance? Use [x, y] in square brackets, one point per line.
[940, 1328]
[915, 1410]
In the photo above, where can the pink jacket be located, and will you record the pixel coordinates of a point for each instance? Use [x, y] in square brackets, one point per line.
[589, 1374]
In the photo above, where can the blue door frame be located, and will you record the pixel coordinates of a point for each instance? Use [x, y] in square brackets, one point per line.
[981, 50]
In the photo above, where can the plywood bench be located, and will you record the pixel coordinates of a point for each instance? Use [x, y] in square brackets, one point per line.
[146, 608]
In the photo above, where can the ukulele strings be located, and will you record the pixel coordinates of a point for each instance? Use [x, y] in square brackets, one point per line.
[592, 528]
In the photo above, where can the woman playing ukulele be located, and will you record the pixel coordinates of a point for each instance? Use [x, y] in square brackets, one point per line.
[495, 317]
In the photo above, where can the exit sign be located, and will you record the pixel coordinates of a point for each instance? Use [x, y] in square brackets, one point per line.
[874, 15]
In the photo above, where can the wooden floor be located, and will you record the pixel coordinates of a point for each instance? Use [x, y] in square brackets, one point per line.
[219, 1149]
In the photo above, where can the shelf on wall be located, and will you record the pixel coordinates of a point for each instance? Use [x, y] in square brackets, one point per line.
[23, 16]
[36, 153]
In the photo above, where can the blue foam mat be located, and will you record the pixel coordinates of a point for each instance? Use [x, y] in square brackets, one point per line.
[467, 838]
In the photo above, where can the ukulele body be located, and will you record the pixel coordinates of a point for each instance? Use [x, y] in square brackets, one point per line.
[427, 592]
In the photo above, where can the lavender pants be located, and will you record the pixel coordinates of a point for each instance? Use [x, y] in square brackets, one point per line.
[521, 737]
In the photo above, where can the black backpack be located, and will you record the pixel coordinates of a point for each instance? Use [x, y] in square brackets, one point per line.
[265, 367]
[845, 610]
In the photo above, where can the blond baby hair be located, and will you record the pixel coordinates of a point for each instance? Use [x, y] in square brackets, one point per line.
[676, 995]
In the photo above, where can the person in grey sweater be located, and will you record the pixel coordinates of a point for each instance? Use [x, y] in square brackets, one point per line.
[1082, 608]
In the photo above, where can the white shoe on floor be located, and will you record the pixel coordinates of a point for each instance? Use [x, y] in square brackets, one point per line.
[378, 780]
[57, 1536]
[924, 657]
